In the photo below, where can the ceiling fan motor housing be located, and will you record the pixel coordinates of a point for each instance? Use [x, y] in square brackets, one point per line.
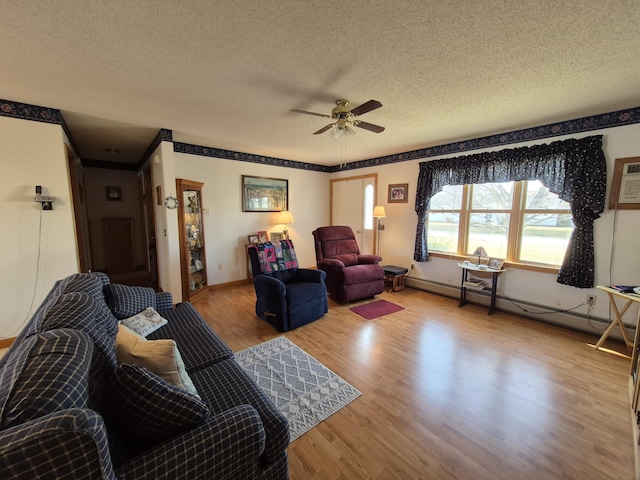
[346, 117]
[342, 111]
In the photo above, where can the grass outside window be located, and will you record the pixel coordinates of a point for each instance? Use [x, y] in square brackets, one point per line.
[520, 222]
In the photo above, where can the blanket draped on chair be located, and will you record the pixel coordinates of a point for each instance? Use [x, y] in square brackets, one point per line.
[274, 257]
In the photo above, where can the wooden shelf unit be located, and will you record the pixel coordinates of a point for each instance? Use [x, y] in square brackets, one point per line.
[193, 259]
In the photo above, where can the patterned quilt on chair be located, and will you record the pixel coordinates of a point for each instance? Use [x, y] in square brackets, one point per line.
[274, 257]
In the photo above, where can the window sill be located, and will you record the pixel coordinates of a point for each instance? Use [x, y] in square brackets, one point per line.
[520, 266]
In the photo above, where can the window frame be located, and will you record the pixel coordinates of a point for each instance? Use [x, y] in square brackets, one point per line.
[516, 213]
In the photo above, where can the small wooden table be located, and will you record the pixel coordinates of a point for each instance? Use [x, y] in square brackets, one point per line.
[630, 298]
[493, 273]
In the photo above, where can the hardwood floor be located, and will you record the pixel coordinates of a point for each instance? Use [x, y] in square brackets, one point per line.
[452, 393]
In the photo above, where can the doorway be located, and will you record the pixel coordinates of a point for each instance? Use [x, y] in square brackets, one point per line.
[352, 202]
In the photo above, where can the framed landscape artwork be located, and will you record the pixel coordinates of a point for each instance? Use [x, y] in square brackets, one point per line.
[260, 194]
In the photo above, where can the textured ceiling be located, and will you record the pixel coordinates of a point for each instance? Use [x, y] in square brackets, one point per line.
[227, 74]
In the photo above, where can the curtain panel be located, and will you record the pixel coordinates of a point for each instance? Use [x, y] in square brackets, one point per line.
[574, 169]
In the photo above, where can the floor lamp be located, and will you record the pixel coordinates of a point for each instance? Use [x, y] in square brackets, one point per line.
[378, 212]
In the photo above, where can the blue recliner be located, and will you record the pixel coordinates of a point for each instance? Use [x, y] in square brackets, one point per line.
[287, 297]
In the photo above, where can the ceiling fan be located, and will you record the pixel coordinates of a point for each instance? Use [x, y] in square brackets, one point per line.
[345, 118]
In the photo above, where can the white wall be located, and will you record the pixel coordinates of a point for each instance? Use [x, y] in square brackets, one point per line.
[32, 153]
[227, 226]
[617, 252]
[166, 219]
[33, 257]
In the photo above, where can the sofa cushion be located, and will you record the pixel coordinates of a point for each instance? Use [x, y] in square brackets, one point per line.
[145, 322]
[158, 356]
[150, 409]
[80, 311]
[90, 283]
[47, 373]
[198, 343]
[93, 283]
[125, 301]
[226, 385]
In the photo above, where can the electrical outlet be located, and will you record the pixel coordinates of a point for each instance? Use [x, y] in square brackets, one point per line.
[220, 266]
[413, 265]
[591, 300]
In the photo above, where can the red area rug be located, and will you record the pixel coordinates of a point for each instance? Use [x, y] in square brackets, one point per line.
[376, 309]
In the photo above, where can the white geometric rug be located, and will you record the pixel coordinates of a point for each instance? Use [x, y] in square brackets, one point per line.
[303, 389]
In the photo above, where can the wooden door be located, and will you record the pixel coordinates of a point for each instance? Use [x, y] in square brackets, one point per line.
[119, 244]
[352, 202]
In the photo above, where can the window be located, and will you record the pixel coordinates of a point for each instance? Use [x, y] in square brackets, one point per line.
[521, 222]
[368, 207]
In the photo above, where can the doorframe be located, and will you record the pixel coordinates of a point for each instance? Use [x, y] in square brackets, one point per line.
[84, 249]
[373, 176]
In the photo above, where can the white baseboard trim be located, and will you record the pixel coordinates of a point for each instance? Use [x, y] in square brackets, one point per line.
[575, 321]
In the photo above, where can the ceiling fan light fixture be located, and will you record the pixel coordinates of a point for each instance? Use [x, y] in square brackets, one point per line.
[342, 130]
[348, 131]
[336, 132]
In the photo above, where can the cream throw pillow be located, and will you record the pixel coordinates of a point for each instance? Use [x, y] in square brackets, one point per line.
[158, 356]
[145, 322]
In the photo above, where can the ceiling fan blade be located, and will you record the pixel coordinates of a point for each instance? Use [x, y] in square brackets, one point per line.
[324, 129]
[366, 107]
[370, 126]
[311, 113]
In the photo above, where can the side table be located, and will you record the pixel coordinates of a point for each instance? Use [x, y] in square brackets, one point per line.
[466, 267]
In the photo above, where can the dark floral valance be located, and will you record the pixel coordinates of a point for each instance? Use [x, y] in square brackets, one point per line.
[574, 169]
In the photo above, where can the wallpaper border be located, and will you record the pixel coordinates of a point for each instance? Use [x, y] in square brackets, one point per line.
[618, 118]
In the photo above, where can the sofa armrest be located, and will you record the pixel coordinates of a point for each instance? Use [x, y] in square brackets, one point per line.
[228, 446]
[369, 259]
[330, 264]
[69, 444]
[311, 276]
[164, 301]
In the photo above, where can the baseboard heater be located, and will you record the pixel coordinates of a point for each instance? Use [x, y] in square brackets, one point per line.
[575, 321]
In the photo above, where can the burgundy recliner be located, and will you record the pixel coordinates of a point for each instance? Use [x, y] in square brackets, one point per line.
[350, 275]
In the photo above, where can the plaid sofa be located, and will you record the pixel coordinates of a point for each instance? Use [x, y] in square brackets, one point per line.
[69, 411]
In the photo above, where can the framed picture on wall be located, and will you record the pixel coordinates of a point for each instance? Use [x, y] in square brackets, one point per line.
[114, 193]
[260, 194]
[398, 193]
[625, 185]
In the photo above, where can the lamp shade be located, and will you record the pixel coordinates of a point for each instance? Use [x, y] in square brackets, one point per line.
[379, 212]
[480, 251]
[285, 217]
